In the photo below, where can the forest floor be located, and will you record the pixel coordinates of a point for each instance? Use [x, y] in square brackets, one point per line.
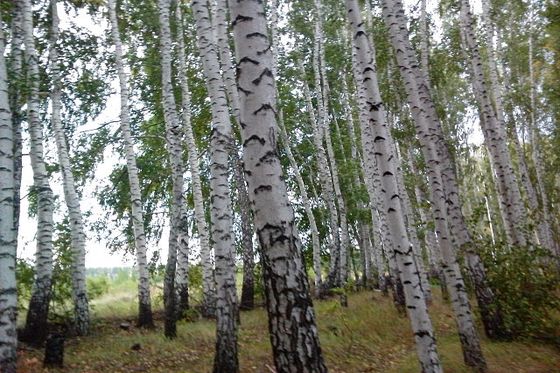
[368, 336]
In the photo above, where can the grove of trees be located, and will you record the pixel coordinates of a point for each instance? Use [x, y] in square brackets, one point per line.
[310, 148]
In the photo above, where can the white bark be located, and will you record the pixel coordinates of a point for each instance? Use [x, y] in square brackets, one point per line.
[77, 233]
[144, 302]
[208, 288]
[36, 323]
[294, 335]
[323, 93]
[176, 274]
[8, 238]
[511, 206]
[443, 191]
[324, 176]
[377, 145]
[221, 208]
[316, 245]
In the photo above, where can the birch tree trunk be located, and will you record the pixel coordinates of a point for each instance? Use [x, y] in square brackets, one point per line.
[8, 237]
[15, 96]
[77, 233]
[377, 145]
[222, 235]
[339, 266]
[444, 191]
[325, 179]
[145, 318]
[208, 287]
[294, 336]
[511, 206]
[545, 224]
[219, 22]
[307, 206]
[36, 322]
[176, 272]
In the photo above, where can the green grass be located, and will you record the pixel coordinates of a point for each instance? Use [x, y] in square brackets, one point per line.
[369, 336]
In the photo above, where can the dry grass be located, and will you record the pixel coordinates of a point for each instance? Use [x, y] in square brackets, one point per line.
[369, 336]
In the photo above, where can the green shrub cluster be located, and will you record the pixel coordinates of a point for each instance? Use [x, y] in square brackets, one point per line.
[527, 288]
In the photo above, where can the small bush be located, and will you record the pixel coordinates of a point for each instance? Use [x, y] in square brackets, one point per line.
[526, 286]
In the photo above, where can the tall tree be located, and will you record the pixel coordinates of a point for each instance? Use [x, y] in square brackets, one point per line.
[36, 322]
[293, 332]
[451, 227]
[77, 233]
[145, 318]
[8, 238]
[225, 359]
[178, 235]
[512, 208]
[377, 144]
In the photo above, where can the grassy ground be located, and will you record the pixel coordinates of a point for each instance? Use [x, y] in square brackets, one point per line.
[368, 336]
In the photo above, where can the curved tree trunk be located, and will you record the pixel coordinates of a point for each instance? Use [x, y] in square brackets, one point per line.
[225, 359]
[77, 233]
[8, 237]
[377, 144]
[294, 336]
[36, 324]
[176, 271]
[145, 318]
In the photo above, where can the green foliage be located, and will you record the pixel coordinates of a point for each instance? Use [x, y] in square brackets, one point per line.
[526, 286]
[97, 286]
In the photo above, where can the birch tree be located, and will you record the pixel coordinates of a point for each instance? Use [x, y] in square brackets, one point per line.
[293, 332]
[36, 322]
[208, 288]
[145, 318]
[511, 205]
[225, 359]
[178, 236]
[77, 233]
[453, 234]
[377, 146]
[8, 238]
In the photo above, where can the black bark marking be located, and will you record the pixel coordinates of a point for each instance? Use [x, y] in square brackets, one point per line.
[265, 72]
[262, 188]
[248, 60]
[264, 107]
[254, 138]
[240, 18]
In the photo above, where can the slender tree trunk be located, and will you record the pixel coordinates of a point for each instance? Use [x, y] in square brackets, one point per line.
[208, 288]
[307, 205]
[225, 359]
[8, 237]
[145, 318]
[450, 222]
[377, 144]
[545, 224]
[219, 22]
[248, 287]
[325, 179]
[15, 96]
[36, 324]
[512, 208]
[294, 336]
[77, 233]
[176, 271]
